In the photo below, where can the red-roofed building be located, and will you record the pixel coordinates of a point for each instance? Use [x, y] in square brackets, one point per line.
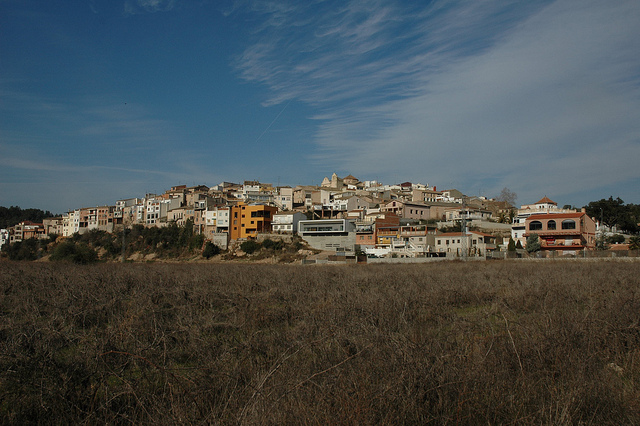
[564, 232]
[544, 206]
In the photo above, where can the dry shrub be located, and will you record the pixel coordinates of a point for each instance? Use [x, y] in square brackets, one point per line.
[502, 342]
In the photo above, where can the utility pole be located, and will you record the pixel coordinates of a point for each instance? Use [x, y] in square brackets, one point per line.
[463, 229]
[124, 231]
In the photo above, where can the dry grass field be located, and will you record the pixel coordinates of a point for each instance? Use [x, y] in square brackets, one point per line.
[507, 342]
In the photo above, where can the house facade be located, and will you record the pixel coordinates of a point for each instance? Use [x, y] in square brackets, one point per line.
[543, 206]
[563, 232]
[328, 234]
[456, 243]
[4, 237]
[53, 225]
[24, 231]
[287, 222]
[408, 210]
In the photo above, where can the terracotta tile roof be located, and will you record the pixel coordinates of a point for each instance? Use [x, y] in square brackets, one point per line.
[546, 200]
[556, 216]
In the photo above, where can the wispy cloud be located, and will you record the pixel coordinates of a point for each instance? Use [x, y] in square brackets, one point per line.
[148, 6]
[95, 148]
[532, 96]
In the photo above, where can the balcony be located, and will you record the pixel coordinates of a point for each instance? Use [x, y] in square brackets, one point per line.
[364, 229]
[559, 232]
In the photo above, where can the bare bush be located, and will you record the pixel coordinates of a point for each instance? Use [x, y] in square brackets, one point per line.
[491, 343]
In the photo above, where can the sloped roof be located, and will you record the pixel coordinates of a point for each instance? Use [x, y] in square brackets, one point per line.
[556, 216]
[546, 200]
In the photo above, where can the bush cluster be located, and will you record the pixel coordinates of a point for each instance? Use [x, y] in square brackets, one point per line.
[170, 241]
[270, 247]
[456, 343]
[74, 252]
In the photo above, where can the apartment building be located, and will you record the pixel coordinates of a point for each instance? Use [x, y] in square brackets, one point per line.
[217, 219]
[53, 225]
[105, 218]
[88, 219]
[248, 220]
[71, 223]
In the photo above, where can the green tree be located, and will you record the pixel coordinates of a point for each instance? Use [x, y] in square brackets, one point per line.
[634, 243]
[10, 216]
[610, 211]
[615, 239]
[22, 250]
[272, 245]
[210, 250]
[249, 246]
[512, 245]
[533, 243]
[69, 251]
[196, 242]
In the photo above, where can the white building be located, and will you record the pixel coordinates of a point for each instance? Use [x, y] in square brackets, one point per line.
[71, 223]
[156, 210]
[217, 219]
[287, 222]
[284, 198]
[455, 243]
[4, 237]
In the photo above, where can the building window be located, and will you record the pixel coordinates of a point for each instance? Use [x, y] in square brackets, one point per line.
[551, 225]
[568, 224]
[535, 225]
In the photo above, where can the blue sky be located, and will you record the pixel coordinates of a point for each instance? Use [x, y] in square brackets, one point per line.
[108, 99]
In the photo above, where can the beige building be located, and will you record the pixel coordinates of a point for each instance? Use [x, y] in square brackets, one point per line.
[454, 244]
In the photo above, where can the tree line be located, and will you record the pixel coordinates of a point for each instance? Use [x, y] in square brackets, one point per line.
[11, 216]
[614, 212]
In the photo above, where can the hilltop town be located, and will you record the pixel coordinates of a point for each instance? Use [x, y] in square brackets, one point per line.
[341, 215]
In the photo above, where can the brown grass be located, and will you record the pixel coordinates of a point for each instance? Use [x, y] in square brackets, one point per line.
[449, 343]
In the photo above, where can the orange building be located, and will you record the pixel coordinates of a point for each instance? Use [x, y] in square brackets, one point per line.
[564, 232]
[248, 220]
